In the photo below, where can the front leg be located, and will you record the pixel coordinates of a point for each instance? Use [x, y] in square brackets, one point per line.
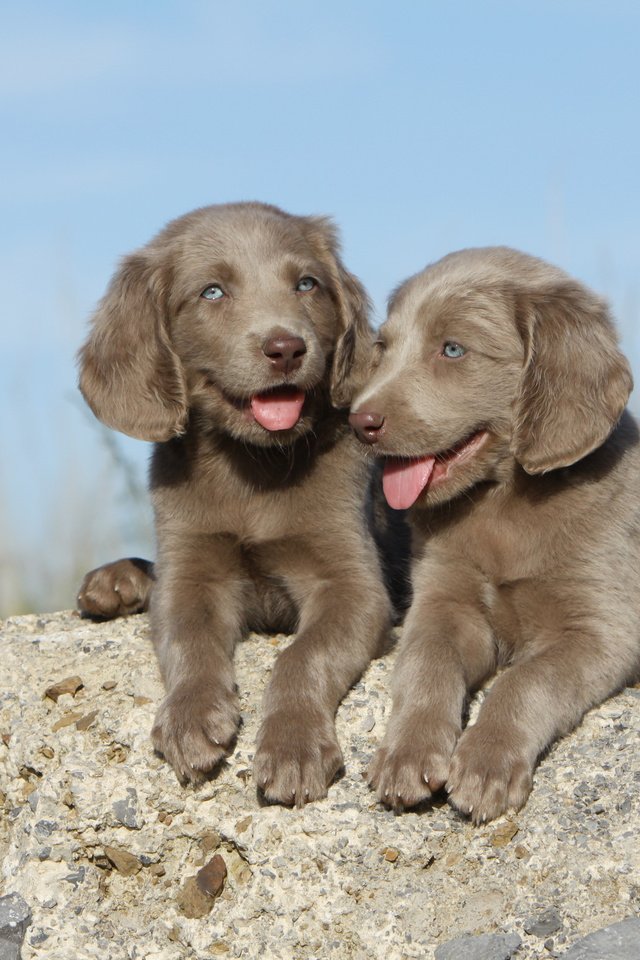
[344, 619]
[552, 682]
[447, 649]
[196, 618]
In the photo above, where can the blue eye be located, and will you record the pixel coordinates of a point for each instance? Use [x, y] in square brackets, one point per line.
[306, 284]
[214, 292]
[453, 350]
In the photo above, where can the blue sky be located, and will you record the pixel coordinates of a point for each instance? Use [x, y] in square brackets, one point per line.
[421, 127]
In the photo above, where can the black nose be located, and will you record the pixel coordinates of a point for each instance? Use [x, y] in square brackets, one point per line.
[369, 427]
[285, 353]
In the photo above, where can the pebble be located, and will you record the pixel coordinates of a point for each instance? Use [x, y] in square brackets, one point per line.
[192, 901]
[548, 922]
[211, 877]
[69, 685]
[124, 862]
[15, 917]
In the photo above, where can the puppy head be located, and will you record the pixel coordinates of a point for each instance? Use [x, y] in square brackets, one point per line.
[488, 355]
[239, 315]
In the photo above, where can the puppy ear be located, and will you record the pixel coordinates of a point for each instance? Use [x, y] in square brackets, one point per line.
[575, 382]
[355, 336]
[129, 374]
[353, 347]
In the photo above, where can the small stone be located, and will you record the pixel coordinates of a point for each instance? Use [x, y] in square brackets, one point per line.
[504, 834]
[368, 723]
[15, 917]
[488, 946]
[142, 701]
[548, 922]
[192, 902]
[85, 722]
[210, 841]
[124, 862]
[211, 877]
[391, 854]
[70, 685]
[48, 752]
[157, 870]
[244, 824]
[28, 788]
[521, 852]
[66, 721]
[109, 684]
[126, 811]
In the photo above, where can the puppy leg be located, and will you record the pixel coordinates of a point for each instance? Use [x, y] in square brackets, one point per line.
[197, 617]
[342, 624]
[116, 589]
[541, 696]
[447, 649]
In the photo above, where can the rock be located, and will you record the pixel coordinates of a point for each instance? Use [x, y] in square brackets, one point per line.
[127, 811]
[192, 901]
[70, 685]
[548, 922]
[85, 722]
[620, 941]
[104, 843]
[15, 917]
[504, 834]
[211, 877]
[489, 946]
[124, 862]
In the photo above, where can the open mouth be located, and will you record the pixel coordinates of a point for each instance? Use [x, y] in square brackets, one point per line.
[405, 478]
[279, 408]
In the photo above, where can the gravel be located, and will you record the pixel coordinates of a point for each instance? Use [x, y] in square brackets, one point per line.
[105, 847]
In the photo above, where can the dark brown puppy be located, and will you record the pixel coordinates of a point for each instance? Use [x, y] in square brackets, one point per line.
[496, 401]
[230, 339]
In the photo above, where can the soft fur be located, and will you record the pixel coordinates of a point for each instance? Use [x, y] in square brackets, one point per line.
[256, 529]
[526, 539]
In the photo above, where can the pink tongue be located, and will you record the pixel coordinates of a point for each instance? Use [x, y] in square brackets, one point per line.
[278, 409]
[404, 480]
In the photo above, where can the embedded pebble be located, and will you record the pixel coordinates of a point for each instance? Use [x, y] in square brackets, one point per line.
[69, 685]
[211, 877]
[15, 917]
[547, 922]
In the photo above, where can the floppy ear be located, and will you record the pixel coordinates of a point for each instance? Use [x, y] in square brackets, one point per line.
[353, 347]
[129, 374]
[575, 382]
[355, 338]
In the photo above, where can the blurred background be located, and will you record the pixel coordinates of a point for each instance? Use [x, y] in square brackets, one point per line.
[421, 127]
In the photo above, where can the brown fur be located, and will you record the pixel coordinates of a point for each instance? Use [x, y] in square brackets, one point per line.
[527, 553]
[256, 529]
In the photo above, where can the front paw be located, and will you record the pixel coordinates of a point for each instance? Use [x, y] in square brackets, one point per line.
[297, 757]
[116, 589]
[490, 774]
[195, 727]
[413, 761]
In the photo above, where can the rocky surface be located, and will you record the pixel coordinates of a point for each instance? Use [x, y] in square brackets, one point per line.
[116, 860]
